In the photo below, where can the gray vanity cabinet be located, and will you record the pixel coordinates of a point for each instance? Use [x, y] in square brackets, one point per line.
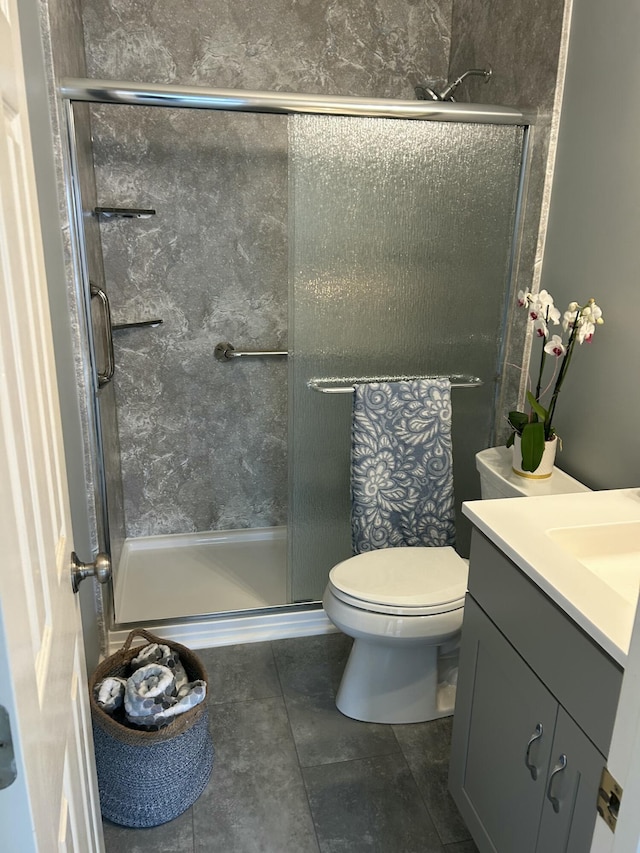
[524, 773]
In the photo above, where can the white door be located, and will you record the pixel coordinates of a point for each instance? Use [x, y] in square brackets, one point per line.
[52, 805]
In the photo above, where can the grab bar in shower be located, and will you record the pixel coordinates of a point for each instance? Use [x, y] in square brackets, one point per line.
[323, 387]
[226, 351]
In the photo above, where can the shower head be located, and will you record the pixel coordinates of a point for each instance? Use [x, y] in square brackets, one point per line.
[447, 94]
[424, 93]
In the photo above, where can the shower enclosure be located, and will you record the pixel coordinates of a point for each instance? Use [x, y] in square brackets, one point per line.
[247, 259]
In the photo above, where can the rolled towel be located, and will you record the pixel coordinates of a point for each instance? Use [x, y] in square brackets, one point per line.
[152, 698]
[163, 655]
[109, 693]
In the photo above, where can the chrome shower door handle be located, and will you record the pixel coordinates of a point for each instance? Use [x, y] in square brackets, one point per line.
[560, 766]
[107, 375]
[531, 767]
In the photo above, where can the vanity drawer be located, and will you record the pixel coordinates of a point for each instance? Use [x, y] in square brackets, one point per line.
[583, 678]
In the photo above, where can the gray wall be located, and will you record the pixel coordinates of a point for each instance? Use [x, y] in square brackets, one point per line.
[204, 444]
[592, 246]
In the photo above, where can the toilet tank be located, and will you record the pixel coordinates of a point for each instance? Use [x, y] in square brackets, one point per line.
[497, 479]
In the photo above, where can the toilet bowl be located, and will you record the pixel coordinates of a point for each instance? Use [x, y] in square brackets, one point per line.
[400, 605]
[404, 609]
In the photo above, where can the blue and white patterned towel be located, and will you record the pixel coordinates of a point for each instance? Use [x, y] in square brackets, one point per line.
[402, 465]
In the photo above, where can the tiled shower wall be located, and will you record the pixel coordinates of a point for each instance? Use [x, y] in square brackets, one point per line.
[524, 44]
[204, 443]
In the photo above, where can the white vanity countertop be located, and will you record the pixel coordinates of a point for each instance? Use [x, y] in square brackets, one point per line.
[541, 535]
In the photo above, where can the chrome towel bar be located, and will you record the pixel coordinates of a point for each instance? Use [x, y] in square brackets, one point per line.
[226, 351]
[323, 386]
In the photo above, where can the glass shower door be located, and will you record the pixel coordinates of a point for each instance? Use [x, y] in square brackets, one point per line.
[400, 249]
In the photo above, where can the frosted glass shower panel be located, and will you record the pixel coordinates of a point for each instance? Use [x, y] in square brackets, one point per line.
[400, 247]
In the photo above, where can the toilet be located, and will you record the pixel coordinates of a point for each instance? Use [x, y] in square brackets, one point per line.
[404, 606]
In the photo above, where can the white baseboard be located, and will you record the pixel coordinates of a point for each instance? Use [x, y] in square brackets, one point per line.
[226, 631]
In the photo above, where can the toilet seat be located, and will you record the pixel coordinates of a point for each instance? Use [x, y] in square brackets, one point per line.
[414, 581]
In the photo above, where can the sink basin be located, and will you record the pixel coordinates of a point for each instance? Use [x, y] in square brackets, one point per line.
[581, 549]
[610, 551]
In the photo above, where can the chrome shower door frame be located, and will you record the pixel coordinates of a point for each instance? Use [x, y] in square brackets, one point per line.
[98, 402]
[109, 515]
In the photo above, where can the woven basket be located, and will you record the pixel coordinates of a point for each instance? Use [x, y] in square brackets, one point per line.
[146, 778]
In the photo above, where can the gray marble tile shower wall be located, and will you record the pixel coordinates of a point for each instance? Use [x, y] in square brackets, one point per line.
[204, 444]
[523, 43]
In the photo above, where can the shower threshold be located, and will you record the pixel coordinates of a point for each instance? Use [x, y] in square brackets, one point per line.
[194, 574]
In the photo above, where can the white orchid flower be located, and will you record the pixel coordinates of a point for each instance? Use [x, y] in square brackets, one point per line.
[570, 316]
[580, 322]
[592, 312]
[540, 327]
[555, 346]
[541, 306]
[585, 332]
[553, 315]
[544, 298]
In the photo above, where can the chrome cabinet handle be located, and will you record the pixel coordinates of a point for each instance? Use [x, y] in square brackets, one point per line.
[560, 766]
[107, 376]
[527, 756]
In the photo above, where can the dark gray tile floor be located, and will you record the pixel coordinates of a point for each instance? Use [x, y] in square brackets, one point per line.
[292, 775]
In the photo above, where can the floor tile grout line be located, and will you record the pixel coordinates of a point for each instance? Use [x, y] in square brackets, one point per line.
[426, 804]
[295, 746]
[424, 799]
[352, 760]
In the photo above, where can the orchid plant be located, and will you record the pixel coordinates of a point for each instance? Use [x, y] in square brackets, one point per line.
[579, 323]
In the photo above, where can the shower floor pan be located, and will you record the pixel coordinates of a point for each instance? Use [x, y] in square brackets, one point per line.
[195, 574]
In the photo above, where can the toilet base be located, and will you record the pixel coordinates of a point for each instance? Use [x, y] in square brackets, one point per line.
[399, 684]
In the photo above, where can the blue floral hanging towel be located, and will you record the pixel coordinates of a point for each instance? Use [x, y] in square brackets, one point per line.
[402, 465]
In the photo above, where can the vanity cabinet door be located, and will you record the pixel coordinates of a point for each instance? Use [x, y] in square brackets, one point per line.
[569, 811]
[502, 738]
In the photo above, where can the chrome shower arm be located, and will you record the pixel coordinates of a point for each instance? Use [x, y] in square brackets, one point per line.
[446, 94]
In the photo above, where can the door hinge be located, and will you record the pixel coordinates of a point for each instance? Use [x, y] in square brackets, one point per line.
[8, 770]
[609, 796]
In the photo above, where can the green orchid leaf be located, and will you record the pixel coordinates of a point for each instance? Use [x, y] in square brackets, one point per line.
[511, 439]
[518, 420]
[532, 445]
[540, 411]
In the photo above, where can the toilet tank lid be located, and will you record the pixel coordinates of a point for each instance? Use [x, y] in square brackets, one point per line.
[495, 462]
[405, 577]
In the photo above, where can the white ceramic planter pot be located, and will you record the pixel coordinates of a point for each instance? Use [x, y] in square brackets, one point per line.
[544, 469]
